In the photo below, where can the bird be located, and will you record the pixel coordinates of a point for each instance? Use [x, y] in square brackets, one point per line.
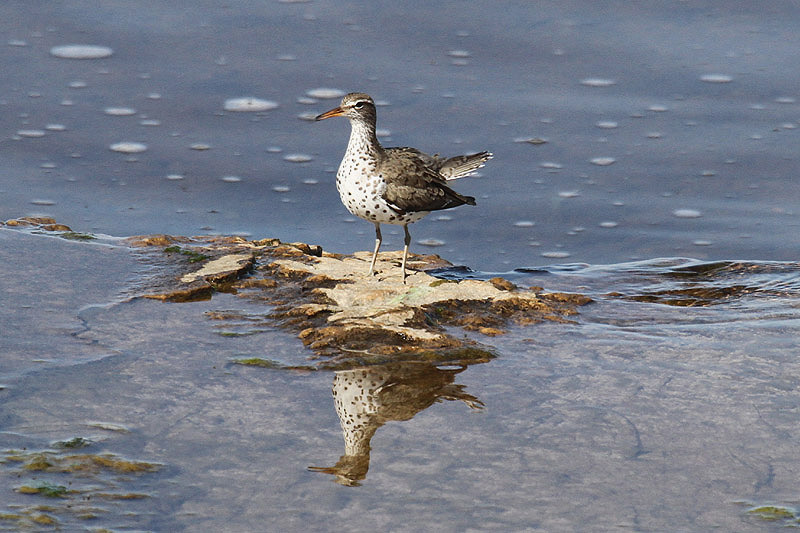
[393, 185]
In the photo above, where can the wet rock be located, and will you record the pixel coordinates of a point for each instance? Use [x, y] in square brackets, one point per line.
[338, 311]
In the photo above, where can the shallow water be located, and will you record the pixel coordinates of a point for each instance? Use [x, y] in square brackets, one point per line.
[664, 189]
[648, 115]
[644, 414]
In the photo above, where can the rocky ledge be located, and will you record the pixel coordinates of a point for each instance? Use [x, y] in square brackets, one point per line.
[340, 312]
[337, 310]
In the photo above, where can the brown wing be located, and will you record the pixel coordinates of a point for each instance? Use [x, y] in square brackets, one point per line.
[412, 185]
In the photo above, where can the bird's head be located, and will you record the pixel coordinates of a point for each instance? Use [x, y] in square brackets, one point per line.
[355, 106]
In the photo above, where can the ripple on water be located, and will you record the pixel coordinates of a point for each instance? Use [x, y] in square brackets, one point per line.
[297, 158]
[231, 179]
[598, 82]
[325, 92]
[119, 111]
[127, 147]
[32, 134]
[606, 124]
[249, 104]
[81, 51]
[716, 78]
[555, 254]
[431, 242]
[174, 177]
[524, 223]
[687, 213]
[603, 161]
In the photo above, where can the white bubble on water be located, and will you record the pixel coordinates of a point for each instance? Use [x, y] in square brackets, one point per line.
[382, 132]
[569, 194]
[716, 78]
[444, 218]
[785, 100]
[458, 53]
[307, 115]
[77, 84]
[603, 161]
[32, 134]
[17, 42]
[67, 102]
[48, 166]
[231, 179]
[287, 57]
[174, 177]
[658, 108]
[598, 82]
[249, 104]
[325, 92]
[297, 158]
[524, 223]
[281, 188]
[606, 124]
[431, 242]
[42, 201]
[127, 147]
[555, 254]
[708, 173]
[788, 126]
[274, 149]
[55, 127]
[81, 51]
[149, 122]
[609, 224]
[119, 111]
[687, 213]
[200, 146]
[702, 242]
[154, 96]
[306, 100]
[310, 181]
[550, 165]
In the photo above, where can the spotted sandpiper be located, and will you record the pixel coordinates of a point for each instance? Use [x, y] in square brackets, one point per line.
[393, 185]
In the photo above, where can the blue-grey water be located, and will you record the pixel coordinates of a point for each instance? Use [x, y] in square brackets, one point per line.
[665, 189]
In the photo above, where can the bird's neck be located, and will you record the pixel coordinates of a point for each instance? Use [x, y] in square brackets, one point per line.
[363, 140]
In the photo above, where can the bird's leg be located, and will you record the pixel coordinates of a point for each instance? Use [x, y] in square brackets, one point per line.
[378, 240]
[407, 241]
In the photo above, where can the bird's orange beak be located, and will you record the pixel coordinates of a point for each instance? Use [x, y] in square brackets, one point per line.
[335, 112]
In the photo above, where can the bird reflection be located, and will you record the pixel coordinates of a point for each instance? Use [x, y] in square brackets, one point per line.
[366, 398]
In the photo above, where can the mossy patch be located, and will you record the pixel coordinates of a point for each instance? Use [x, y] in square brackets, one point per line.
[75, 236]
[193, 257]
[257, 361]
[74, 443]
[45, 489]
[774, 513]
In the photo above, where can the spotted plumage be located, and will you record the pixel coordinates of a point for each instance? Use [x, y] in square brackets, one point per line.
[393, 185]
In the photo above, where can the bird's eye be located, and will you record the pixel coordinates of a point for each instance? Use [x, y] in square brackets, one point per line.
[359, 105]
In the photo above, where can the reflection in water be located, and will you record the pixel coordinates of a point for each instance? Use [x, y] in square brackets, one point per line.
[366, 398]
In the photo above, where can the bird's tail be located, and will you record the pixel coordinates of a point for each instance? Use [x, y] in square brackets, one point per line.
[463, 165]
